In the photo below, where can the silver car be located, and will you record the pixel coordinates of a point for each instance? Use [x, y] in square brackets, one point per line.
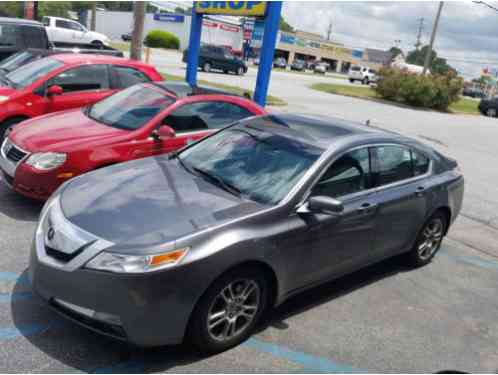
[199, 244]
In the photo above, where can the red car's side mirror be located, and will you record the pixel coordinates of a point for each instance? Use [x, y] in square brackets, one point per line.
[164, 132]
[55, 90]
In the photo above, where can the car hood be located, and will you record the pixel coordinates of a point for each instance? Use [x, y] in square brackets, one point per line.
[148, 202]
[61, 132]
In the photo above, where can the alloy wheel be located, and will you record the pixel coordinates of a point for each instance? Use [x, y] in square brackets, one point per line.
[207, 67]
[233, 309]
[432, 236]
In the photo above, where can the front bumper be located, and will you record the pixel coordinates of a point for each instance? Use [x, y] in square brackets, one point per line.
[146, 310]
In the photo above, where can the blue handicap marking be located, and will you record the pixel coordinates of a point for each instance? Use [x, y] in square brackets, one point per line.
[473, 260]
[11, 280]
[310, 363]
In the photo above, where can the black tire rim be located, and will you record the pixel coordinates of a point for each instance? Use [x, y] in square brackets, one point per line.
[432, 236]
[233, 310]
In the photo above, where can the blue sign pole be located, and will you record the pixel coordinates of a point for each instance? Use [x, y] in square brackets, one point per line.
[272, 21]
[194, 47]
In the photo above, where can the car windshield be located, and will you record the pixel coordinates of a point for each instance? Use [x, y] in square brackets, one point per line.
[260, 165]
[130, 109]
[30, 73]
[15, 61]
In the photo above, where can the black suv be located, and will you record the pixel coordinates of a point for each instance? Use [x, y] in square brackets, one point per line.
[215, 57]
[17, 34]
[489, 107]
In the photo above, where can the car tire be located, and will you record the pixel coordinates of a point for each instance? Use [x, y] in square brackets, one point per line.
[491, 112]
[97, 43]
[206, 67]
[225, 295]
[428, 240]
[240, 71]
[7, 126]
[365, 81]
[351, 80]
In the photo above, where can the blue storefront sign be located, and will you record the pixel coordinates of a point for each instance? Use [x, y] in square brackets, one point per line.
[357, 54]
[164, 17]
[286, 38]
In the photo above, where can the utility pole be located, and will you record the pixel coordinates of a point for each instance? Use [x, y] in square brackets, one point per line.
[93, 24]
[329, 30]
[138, 30]
[419, 34]
[433, 36]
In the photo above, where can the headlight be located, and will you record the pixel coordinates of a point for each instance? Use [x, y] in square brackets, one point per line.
[3, 98]
[46, 160]
[121, 263]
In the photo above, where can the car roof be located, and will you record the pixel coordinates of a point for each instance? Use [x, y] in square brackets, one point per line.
[324, 131]
[183, 89]
[20, 21]
[75, 58]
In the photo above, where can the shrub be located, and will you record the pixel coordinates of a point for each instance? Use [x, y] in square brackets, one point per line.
[430, 91]
[162, 39]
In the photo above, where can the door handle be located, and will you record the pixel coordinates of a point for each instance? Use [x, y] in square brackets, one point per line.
[420, 191]
[366, 207]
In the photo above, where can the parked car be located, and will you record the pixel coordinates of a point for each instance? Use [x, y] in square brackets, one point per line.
[363, 74]
[280, 62]
[31, 54]
[214, 235]
[65, 81]
[65, 31]
[218, 58]
[298, 65]
[126, 37]
[489, 107]
[473, 92]
[18, 34]
[321, 68]
[143, 120]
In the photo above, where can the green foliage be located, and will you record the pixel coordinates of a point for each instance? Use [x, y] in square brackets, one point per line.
[162, 39]
[430, 91]
[395, 51]
[437, 65]
[54, 8]
[284, 26]
[11, 9]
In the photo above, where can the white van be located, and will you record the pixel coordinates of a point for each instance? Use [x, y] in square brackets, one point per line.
[363, 74]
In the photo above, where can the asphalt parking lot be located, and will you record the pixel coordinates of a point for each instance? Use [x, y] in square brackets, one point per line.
[386, 318]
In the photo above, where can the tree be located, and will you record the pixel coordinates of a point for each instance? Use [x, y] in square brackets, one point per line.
[138, 30]
[11, 9]
[284, 26]
[437, 65]
[54, 8]
[395, 51]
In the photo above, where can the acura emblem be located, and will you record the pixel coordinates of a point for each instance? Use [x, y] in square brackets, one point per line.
[51, 234]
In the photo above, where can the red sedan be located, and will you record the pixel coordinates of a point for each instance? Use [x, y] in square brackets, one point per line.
[65, 81]
[143, 120]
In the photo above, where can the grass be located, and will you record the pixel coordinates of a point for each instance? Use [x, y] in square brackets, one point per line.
[121, 46]
[465, 106]
[271, 100]
[462, 106]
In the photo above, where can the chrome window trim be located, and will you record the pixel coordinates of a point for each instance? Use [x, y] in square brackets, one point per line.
[348, 197]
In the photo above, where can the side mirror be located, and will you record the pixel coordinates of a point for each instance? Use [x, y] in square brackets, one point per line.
[164, 132]
[325, 205]
[55, 90]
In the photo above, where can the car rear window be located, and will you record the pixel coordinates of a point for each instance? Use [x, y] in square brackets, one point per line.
[8, 35]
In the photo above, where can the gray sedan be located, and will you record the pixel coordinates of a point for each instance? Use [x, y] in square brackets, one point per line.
[199, 244]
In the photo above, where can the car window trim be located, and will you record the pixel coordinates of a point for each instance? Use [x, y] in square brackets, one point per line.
[109, 79]
[373, 166]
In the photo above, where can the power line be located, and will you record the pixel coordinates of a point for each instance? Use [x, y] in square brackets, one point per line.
[486, 4]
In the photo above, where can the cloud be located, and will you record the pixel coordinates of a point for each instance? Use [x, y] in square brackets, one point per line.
[466, 33]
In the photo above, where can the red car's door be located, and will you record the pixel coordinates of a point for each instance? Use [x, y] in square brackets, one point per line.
[82, 86]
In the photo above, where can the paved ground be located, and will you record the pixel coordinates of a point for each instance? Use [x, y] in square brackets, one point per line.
[383, 319]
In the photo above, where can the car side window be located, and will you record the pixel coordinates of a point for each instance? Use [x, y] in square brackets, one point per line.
[205, 115]
[63, 24]
[128, 76]
[34, 37]
[394, 164]
[83, 78]
[420, 163]
[349, 174]
[8, 35]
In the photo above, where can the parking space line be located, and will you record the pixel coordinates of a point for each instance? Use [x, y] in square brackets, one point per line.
[311, 363]
[473, 260]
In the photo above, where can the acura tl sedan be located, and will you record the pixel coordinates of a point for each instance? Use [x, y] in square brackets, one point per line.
[199, 244]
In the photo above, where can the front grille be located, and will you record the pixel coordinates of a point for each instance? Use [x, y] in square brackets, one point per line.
[59, 255]
[15, 154]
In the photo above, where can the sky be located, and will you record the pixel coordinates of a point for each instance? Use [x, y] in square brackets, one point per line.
[467, 33]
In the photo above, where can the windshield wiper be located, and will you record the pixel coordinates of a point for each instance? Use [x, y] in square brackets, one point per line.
[175, 155]
[220, 182]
